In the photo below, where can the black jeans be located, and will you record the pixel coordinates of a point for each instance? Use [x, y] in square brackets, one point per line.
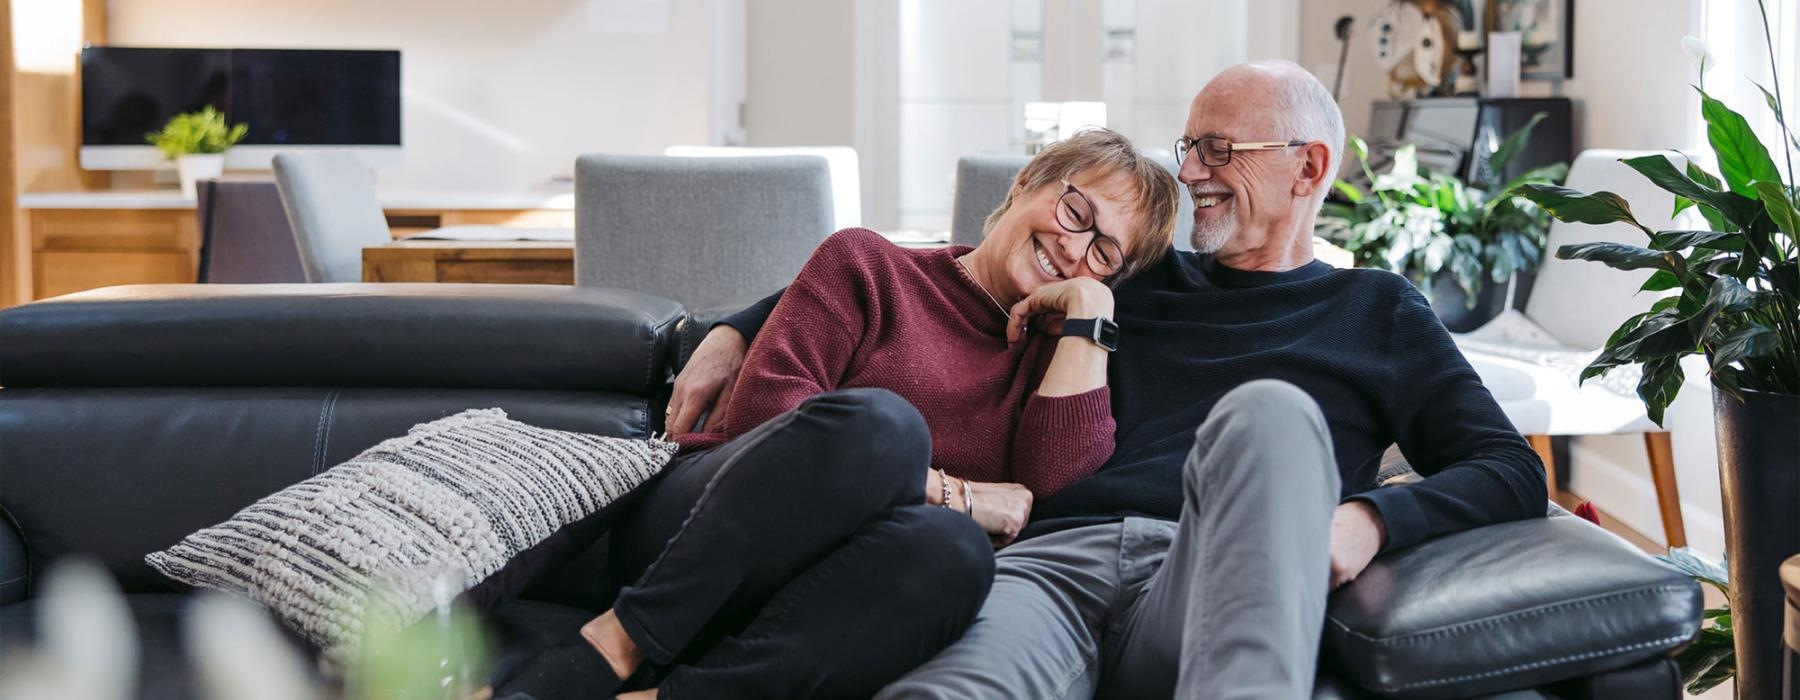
[799, 560]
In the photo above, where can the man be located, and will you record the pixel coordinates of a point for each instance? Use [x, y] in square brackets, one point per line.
[1196, 563]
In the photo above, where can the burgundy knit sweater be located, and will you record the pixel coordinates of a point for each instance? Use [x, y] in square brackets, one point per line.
[867, 313]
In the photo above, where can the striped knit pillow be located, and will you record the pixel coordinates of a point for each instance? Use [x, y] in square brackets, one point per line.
[453, 499]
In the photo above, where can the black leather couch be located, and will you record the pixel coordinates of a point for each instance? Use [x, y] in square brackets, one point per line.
[132, 416]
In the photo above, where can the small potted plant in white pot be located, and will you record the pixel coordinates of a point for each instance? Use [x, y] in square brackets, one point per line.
[197, 142]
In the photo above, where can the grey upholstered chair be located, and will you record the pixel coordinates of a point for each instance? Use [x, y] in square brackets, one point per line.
[982, 182]
[244, 234]
[330, 202]
[698, 230]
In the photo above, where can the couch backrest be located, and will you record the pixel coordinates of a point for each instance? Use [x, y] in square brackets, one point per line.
[132, 416]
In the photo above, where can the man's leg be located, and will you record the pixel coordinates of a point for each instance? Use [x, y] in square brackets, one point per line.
[1236, 608]
[1037, 636]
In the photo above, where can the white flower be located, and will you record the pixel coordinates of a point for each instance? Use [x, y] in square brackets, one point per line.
[1698, 53]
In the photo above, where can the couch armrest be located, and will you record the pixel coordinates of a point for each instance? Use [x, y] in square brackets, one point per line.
[1507, 606]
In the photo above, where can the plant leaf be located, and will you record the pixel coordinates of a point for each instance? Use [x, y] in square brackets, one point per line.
[1660, 281]
[1785, 278]
[1510, 147]
[1575, 207]
[1776, 201]
[1742, 157]
[1709, 240]
[1661, 382]
[1350, 192]
[1753, 340]
[1619, 256]
[1726, 296]
[1659, 170]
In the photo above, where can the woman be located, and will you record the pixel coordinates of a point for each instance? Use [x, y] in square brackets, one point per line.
[823, 540]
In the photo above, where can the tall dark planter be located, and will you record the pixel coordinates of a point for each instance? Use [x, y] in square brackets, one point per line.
[1759, 477]
[1452, 306]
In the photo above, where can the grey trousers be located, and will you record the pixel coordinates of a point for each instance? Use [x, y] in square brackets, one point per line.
[1228, 602]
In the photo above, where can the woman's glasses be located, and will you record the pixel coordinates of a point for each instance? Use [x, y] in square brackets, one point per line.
[1075, 213]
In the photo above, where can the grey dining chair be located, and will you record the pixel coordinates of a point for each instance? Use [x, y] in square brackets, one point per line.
[244, 234]
[982, 182]
[330, 202]
[698, 230]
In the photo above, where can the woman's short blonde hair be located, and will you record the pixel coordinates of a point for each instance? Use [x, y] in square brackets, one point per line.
[1108, 154]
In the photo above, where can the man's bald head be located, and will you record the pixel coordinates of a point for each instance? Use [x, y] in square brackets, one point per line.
[1290, 99]
[1256, 210]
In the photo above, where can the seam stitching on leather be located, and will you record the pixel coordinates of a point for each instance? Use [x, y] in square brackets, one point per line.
[1540, 664]
[319, 435]
[13, 523]
[1504, 617]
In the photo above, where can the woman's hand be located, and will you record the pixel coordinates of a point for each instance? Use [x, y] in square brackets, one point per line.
[1000, 509]
[1079, 297]
[704, 385]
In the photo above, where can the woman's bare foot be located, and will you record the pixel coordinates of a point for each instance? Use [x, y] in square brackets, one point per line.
[639, 695]
[608, 637]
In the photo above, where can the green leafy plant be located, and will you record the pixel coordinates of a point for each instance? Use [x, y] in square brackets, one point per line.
[1738, 283]
[1712, 658]
[203, 131]
[1421, 224]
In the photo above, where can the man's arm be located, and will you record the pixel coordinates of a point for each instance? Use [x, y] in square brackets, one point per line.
[1478, 470]
[703, 389]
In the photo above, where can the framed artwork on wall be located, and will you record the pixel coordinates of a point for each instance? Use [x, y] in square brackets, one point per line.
[1547, 31]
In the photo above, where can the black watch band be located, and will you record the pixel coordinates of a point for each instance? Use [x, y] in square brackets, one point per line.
[1101, 330]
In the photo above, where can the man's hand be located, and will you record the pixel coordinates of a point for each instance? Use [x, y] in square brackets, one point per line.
[1356, 536]
[704, 385]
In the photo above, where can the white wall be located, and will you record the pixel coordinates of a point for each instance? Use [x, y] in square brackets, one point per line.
[496, 95]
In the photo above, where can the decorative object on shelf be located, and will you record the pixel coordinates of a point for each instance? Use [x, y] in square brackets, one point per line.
[1712, 658]
[197, 142]
[1547, 33]
[1415, 41]
[1341, 30]
[1739, 305]
[1446, 236]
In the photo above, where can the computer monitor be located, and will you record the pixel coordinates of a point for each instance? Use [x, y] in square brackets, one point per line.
[292, 99]
[1443, 129]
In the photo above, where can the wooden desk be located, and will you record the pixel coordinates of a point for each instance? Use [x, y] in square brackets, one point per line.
[498, 262]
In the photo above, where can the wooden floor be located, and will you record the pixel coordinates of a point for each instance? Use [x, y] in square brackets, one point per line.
[1713, 599]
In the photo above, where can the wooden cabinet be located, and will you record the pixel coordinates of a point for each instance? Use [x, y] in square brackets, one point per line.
[78, 249]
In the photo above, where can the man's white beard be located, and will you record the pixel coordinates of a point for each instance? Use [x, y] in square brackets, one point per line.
[1208, 237]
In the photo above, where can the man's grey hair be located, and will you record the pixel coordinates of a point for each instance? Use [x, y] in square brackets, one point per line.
[1305, 110]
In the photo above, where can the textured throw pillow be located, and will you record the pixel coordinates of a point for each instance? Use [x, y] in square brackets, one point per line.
[453, 499]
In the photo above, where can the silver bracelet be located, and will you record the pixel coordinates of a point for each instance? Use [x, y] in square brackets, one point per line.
[944, 482]
[969, 497]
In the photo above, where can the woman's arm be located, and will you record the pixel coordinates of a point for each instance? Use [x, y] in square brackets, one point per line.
[1066, 430]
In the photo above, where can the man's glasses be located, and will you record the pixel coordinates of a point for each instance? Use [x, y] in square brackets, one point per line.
[1216, 152]
[1075, 213]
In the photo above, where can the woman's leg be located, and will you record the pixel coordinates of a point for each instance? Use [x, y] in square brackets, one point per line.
[783, 497]
[774, 502]
[902, 589]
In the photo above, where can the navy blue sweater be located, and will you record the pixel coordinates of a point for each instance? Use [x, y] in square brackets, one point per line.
[1363, 343]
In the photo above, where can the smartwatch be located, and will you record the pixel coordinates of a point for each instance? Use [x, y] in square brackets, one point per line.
[1101, 330]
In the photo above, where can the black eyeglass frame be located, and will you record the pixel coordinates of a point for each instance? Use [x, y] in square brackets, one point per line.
[1093, 227]
[1185, 144]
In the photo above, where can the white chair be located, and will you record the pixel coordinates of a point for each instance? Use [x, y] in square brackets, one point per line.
[1531, 361]
[846, 179]
[331, 204]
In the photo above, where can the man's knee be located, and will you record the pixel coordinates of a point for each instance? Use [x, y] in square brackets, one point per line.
[1265, 416]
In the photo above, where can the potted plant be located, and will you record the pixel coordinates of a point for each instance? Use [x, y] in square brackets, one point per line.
[1739, 305]
[1459, 243]
[197, 142]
